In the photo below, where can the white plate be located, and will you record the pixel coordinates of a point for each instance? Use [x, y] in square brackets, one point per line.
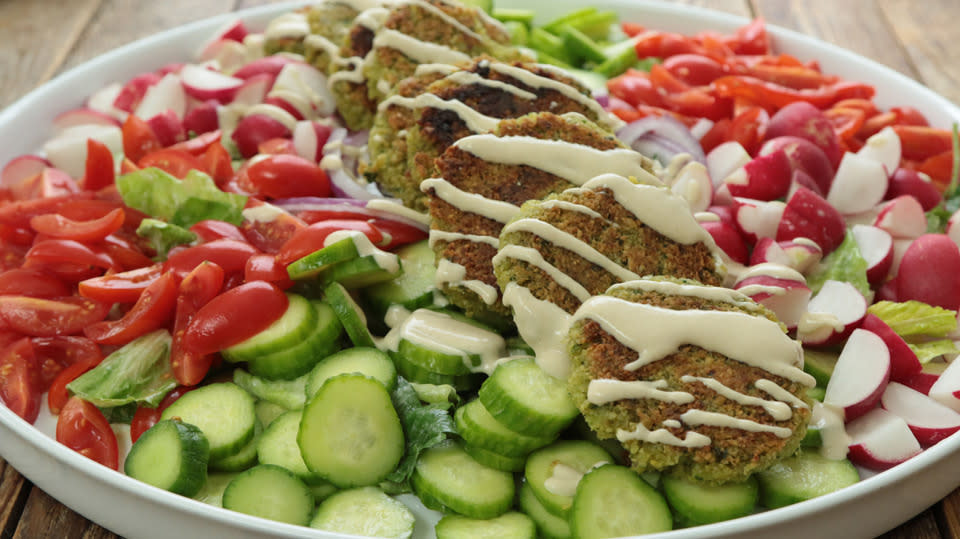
[136, 510]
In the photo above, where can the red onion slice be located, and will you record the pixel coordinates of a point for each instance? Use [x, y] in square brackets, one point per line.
[341, 169]
[353, 207]
[669, 135]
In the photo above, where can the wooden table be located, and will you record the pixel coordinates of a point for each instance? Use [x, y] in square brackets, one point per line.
[42, 38]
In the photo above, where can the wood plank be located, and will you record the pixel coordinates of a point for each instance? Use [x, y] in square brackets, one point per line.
[120, 21]
[14, 489]
[44, 516]
[862, 29]
[922, 526]
[948, 515]
[35, 44]
[930, 40]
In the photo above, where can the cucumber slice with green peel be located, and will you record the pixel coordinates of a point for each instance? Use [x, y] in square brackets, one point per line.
[267, 411]
[548, 45]
[418, 374]
[322, 491]
[350, 314]
[820, 364]
[456, 480]
[477, 427]
[298, 360]
[612, 501]
[526, 399]
[360, 272]
[435, 361]
[554, 471]
[699, 503]
[278, 446]
[363, 360]
[288, 394]
[619, 57]
[212, 491]
[519, 33]
[595, 26]
[350, 433]
[289, 330]
[224, 412]
[243, 459]
[524, 16]
[270, 492]
[365, 511]
[554, 26]
[804, 476]
[311, 265]
[580, 46]
[549, 526]
[497, 461]
[427, 499]
[413, 288]
[817, 393]
[171, 455]
[812, 438]
[513, 524]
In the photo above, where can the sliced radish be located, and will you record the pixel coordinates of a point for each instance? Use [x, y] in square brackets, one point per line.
[803, 120]
[68, 150]
[860, 375]
[876, 247]
[808, 215]
[953, 227]
[167, 94]
[227, 54]
[102, 101]
[946, 387]
[295, 105]
[232, 31]
[917, 184]
[832, 314]
[805, 157]
[133, 91]
[309, 138]
[724, 159]
[903, 360]
[270, 65]
[257, 128]
[880, 440]
[167, 127]
[309, 83]
[765, 177]
[902, 217]
[859, 184]
[692, 183]
[20, 170]
[203, 84]
[884, 148]
[799, 254]
[83, 116]
[778, 288]
[929, 420]
[202, 118]
[929, 272]
[758, 218]
[254, 90]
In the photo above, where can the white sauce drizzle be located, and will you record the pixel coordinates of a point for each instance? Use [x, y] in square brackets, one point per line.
[662, 436]
[777, 392]
[697, 418]
[474, 120]
[605, 390]
[776, 271]
[779, 411]
[444, 235]
[417, 50]
[564, 479]
[535, 258]
[570, 206]
[468, 78]
[543, 325]
[388, 261]
[453, 274]
[445, 334]
[672, 424]
[833, 435]
[398, 209]
[291, 25]
[496, 210]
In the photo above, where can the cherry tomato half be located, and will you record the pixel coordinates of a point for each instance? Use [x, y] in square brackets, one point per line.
[37, 317]
[19, 385]
[31, 282]
[145, 417]
[231, 255]
[58, 226]
[284, 176]
[234, 316]
[83, 428]
[312, 237]
[124, 287]
[177, 163]
[196, 290]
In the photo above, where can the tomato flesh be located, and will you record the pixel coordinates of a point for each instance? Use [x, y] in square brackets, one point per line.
[152, 311]
[19, 380]
[234, 316]
[40, 317]
[196, 290]
[83, 428]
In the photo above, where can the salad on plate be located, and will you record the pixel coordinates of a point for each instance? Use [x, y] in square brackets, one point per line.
[574, 279]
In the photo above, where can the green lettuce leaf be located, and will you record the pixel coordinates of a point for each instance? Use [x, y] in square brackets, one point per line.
[424, 426]
[137, 372]
[290, 394]
[843, 264]
[912, 318]
[933, 349]
[181, 202]
[442, 395]
[164, 236]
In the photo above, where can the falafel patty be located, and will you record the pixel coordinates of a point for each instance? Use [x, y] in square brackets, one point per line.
[385, 45]
[692, 380]
[315, 31]
[441, 104]
[485, 178]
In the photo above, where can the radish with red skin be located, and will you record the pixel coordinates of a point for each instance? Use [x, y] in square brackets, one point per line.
[724, 159]
[285, 104]
[876, 248]
[233, 31]
[205, 84]
[922, 382]
[902, 217]
[903, 360]
[766, 177]
[930, 272]
[167, 127]
[254, 89]
[904, 181]
[946, 387]
[692, 183]
[800, 179]
[858, 185]
[835, 312]
[228, 54]
[309, 138]
[803, 120]
[68, 150]
[799, 255]
[102, 101]
[883, 147]
[310, 84]
[20, 170]
[808, 215]
[257, 128]
[886, 292]
[270, 65]
[166, 94]
[202, 118]
[880, 440]
[804, 156]
[860, 376]
[83, 116]
[780, 289]
[133, 91]
[929, 420]
[757, 218]
[953, 227]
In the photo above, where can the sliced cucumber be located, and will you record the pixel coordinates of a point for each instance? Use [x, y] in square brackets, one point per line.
[612, 501]
[212, 491]
[270, 492]
[171, 455]
[819, 364]
[453, 478]
[524, 398]
[365, 511]
[514, 525]
[350, 314]
[360, 272]
[278, 446]
[224, 412]
[298, 360]
[368, 441]
[289, 330]
[549, 525]
[497, 461]
[413, 288]
[698, 503]
[286, 393]
[524, 16]
[317, 261]
[416, 373]
[554, 472]
[267, 411]
[477, 427]
[361, 360]
[241, 460]
[804, 476]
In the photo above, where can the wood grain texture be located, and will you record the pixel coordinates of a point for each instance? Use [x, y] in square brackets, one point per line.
[43, 516]
[930, 41]
[922, 526]
[13, 494]
[34, 44]
[948, 515]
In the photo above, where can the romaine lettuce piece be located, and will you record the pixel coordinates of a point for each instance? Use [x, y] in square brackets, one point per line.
[911, 318]
[845, 263]
[164, 236]
[933, 349]
[181, 202]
